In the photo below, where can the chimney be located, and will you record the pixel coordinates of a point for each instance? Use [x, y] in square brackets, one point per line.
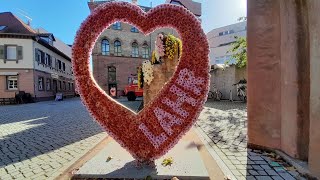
[135, 2]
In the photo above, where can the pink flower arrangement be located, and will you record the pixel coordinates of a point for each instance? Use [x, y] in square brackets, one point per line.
[152, 132]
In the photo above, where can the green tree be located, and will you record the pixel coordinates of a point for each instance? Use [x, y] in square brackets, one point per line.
[239, 49]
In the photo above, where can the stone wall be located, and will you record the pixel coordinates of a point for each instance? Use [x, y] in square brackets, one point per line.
[223, 79]
[283, 78]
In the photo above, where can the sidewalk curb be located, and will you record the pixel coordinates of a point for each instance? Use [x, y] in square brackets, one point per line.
[205, 140]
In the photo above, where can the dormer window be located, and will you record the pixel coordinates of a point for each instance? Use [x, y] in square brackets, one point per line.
[2, 27]
[48, 38]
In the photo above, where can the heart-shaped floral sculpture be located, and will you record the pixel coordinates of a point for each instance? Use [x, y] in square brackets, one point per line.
[149, 134]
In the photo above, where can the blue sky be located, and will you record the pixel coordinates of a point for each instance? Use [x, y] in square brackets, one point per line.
[63, 17]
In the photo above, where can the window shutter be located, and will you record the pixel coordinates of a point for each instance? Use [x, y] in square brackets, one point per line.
[2, 56]
[19, 53]
[36, 55]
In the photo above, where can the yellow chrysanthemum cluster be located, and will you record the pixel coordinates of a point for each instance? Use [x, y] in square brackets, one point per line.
[153, 57]
[140, 77]
[173, 46]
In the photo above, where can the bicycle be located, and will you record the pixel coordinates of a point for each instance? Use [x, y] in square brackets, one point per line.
[216, 95]
[242, 89]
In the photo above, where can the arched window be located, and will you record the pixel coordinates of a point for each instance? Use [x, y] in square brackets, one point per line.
[117, 48]
[105, 47]
[135, 50]
[134, 29]
[145, 51]
[117, 26]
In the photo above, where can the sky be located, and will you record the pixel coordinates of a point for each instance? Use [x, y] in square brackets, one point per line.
[63, 17]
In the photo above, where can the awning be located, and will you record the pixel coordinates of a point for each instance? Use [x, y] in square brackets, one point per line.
[8, 73]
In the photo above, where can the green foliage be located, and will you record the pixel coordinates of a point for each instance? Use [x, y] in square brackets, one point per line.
[239, 51]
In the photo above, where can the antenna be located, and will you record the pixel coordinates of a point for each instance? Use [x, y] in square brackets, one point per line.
[25, 14]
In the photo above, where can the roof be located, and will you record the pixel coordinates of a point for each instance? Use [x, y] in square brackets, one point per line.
[14, 24]
[94, 4]
[194, 7]
[13, 27]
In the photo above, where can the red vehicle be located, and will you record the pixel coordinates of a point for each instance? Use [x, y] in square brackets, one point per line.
[132, 91]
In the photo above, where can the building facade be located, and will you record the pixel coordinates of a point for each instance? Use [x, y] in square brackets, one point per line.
[121, 48]
[221, 39]
[30, 61]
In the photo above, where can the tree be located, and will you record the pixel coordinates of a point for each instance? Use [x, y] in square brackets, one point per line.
[239, 49]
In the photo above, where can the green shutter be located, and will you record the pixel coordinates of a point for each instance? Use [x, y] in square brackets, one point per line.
[2, 56]
[19, 52]
[36, 55]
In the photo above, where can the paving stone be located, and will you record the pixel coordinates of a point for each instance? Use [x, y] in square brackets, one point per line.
[30, 148]
[253, 172]
[262, 173]
[263, 178]
[277, 178]
[257, 167]
[250, 178]
[255, 158]
[286, 176]
[261, 162]
[271, 172]
[266, 167]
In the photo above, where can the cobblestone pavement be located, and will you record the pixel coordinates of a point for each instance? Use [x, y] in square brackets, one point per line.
[41, 140]
[133, 105]
[225, 125]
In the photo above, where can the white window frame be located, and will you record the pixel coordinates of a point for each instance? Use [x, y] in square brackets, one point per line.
[13, 49]
[14, 80]
[40, 83]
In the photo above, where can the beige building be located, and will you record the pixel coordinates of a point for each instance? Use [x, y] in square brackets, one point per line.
[121, 48]
[32, 61]
[221, 39]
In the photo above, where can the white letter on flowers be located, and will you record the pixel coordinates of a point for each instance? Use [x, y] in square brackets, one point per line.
[187, 80]
[182, 97]
[166, 125]
[156, 141]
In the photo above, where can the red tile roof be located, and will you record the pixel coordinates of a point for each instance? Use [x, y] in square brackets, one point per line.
[194, 7]
[14, 24]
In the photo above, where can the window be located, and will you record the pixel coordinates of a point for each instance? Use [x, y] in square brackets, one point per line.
[11, 52]
[12, 82]
[64, 66]
[221, 34]
[105, 47]
[117, 26]
[64, 85]
[2, 27]
[134, 29]
[72, 86]
[59, 85]
[112, 71]
[59, 65]
[69, 85]
[48, 84]
[145, 51]
[231, 31]
[47, 59]
[40, 83]
[117, 48]
[135, 50]
[42, 59]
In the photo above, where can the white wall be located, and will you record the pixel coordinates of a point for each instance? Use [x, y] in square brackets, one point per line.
[27, 50]
[215, 40]
[44, 68]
